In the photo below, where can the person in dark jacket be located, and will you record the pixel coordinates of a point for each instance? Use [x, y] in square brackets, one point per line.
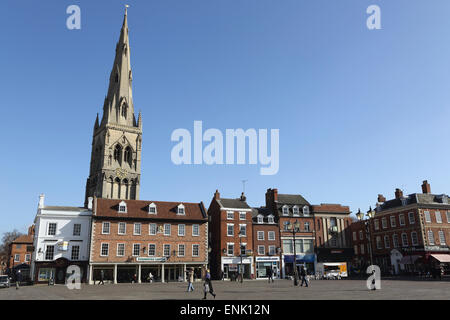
[102, 277]
[270, 274]
[208, 285]
[18, 279]
[303, 276]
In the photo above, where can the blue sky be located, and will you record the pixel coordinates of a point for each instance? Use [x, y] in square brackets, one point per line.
[360, 112]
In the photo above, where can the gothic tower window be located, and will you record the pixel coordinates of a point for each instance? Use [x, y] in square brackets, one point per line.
[118, 153]
[124, 110]
[116, 79]
[125, 183]
[117, 182]
[128, 155]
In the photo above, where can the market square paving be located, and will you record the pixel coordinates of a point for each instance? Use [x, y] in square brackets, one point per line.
[249, 290]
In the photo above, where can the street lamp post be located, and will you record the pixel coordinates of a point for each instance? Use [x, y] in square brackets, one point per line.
[366, 222]
[240, 254]
[294, 228]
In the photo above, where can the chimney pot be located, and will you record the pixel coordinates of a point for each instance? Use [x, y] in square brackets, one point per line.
[398, 193]
[381, 198]
[90, 203]
[41, 201]
[217, 194]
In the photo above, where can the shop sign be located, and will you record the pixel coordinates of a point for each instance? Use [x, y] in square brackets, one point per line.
[268, 259]
[151, 259]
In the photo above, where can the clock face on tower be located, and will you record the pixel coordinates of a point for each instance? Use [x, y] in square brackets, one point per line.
[121, 173]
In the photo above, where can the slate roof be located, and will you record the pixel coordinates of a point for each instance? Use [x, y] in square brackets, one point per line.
[139, 209]
[294, 199]
[233, 203]
[417, 198]
[24, 239]
[263, 211]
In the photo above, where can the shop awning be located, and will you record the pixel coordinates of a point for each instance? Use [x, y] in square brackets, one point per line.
[442, 257]
[409, 259]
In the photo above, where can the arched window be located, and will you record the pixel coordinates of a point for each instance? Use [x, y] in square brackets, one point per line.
[116, 79]
[125, 185]
[117, 181]
[124, 111]
[128, 155]
[118, 153]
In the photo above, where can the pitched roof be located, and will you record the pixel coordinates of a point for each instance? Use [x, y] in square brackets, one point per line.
[292, 199]
[418, 198]
[233, 203]
[65, 208]
[24, 239]
[330, 208]
[139, 209]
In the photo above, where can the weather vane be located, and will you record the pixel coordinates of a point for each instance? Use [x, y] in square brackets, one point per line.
[126, 7]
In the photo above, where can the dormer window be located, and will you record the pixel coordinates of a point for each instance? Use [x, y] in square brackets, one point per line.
[123, 207]
[285, 210]
[306, 210]
[260, 219]
[180, 209]
[152, 208]
[404, 201]
[270, 219]
[295, 211]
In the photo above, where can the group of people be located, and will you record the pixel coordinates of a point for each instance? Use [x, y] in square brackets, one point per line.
[207, 284]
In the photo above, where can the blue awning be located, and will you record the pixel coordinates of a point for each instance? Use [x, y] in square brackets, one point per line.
[300, 258]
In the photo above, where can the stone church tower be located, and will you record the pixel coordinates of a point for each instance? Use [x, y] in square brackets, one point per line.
[115, 168]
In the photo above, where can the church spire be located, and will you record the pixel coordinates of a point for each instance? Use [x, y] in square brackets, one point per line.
[119, 100]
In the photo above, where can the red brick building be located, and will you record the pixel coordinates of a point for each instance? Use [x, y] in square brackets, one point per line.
[20, 253]
[231, 237]
[133, 238]
[411, 233]
[290, 209]
[266, 242]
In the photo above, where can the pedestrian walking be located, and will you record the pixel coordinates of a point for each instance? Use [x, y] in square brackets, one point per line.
[190, 280]
[150, 277]
[270, 274]
[102, 277]
[303, 276]
[207, 285]
[18, 279]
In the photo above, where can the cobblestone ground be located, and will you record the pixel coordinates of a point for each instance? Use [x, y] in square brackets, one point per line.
[251, 290]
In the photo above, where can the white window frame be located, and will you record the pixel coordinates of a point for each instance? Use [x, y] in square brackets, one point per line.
[117, 249]
[196, 234]
[427, 215]
[165, 245]
[71, 252]
[148, 250]
[405, 237]
[27, 257]
[401, 218]
[260, 219]
[134, 247]
[181, 210]
[272, 250]
[362, 248]
[152, 206]
[56, 228]
[285, 210]
[448, 216]
[395, 241]
[411, 217]
[295, 211]
[240, 229]
[228, 230]
[137, 224]
[150, 229]
[393, 221]
[242, 213]
[376, 224]
[78, 234]
[431, 240]
[101, 249]
[230, 245]
[271, 235]
[387, 243]
[355, 249]
[167, 226]
[361, 235]
[17, 257]
[306, 211]
[198, 250]
[122, 207]
[181, 227]
[438, 216]
[230, 215]
[260, 235]
[270, 219]
[263, 251]
[106, 223]
[181, 245]
[379, 242]
[125, 228]
[384, 223]
[307, 226]
[442, 240]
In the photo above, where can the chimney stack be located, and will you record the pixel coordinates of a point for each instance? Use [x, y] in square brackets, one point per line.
[216, 195]
[243, 197]
[381, 198]
[398, 193]
[90, 203]
[41, 201]
[426, 188]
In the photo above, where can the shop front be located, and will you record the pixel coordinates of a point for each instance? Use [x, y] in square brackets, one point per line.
[57, 270]
[263, 264]
[233, 266]
[308, 261]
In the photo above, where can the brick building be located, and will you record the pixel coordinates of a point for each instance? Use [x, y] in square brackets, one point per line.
[361, 249]
[20, 253]
[290, 209]
[411, 233]
[266, 242]
[333, 244]
[231, 237]
[134, 237]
